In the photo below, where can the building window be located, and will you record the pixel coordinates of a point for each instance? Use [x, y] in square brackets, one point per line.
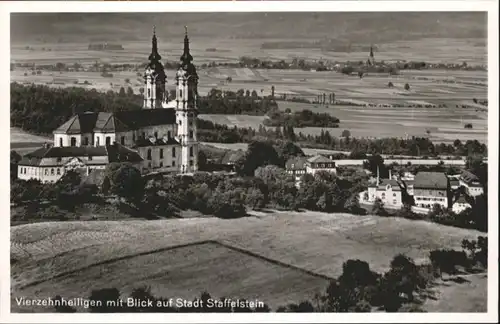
[169, 134]
[161, 164]
[90, 157]
[173, 163]
[191, 163]
[52, 171]
[156, 134]
[97, 141]
[143, 135]
[161, 153]
[190, 134]
[149, 165]
[46, 171]
[149, 154]
[122, 140]
[173, 151]
[133, 137]
[383, 195]
[60, 141]
[191, 151]
[394, 194]
[73, 141]
[149, 93]
[59, 159]
[180, 122]
[108, 140]
[58, 171]
[394, 201]
[85, 141]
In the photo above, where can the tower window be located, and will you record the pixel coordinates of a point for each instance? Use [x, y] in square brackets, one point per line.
[73, 141]
[180, 94]
[85, 141]
[161, 153]
[173, 151]
[169, 134]
[191, 151]
[51, 171]
[97, 142]
[149, 154]
[156, 134]
[191, 163]
[122, 140]
[190, 134]
[108, 140]
[60, 142]
[133, 137]
[149, 93]
[143, 135]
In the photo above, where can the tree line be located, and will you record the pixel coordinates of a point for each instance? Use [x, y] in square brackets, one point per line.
[260, 182]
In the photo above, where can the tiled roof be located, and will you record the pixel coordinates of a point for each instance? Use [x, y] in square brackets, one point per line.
[114, 152]
[120, 153]
[79, 123]
[142, 142]
[461, 200]
[296, 163]
[319, 159]
[431, 180]
[469, 177]
[117, 122]
[384, 182]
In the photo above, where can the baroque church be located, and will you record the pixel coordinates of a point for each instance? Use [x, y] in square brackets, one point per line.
[161, 137]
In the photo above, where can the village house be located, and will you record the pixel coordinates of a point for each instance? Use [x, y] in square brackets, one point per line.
[471, 182]
[296, 166]
[320, 163]
[460, 204]
[431, 188]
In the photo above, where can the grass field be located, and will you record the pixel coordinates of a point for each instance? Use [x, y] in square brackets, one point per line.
[72, 253]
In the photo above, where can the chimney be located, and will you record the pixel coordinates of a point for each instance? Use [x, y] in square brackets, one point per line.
[378, 175]
[390, 174]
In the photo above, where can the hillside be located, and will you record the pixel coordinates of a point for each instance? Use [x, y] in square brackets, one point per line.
[259, 252]
[356, 27]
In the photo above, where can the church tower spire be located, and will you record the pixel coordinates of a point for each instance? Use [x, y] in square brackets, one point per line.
[186, 57]
[155, 78]
[186, 64]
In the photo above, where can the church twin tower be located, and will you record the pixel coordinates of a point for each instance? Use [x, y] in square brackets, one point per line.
[156, 96]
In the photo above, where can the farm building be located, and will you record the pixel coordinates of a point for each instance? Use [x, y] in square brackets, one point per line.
[162, 137]
[431, 188]
[471, 182]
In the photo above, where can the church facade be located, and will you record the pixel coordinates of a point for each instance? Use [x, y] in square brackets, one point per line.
[161, 137]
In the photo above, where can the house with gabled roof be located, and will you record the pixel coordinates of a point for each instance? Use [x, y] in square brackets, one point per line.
[471, 182]
[431, 188]
[320, 163]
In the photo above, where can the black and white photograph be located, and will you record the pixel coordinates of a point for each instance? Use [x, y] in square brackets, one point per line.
[229, 161]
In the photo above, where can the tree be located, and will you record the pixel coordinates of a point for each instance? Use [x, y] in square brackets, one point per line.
[257, 154]
[390, 85]
[288, 150]
[407, 87]
[130, 91]
[122, 92]
[125, 181]
[14, 160]
[346, 133]
[104, 301]
[378, 208]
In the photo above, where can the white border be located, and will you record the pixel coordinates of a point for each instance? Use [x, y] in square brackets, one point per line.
[234, 6]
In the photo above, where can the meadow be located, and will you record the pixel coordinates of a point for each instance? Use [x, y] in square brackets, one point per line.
[264, 253]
